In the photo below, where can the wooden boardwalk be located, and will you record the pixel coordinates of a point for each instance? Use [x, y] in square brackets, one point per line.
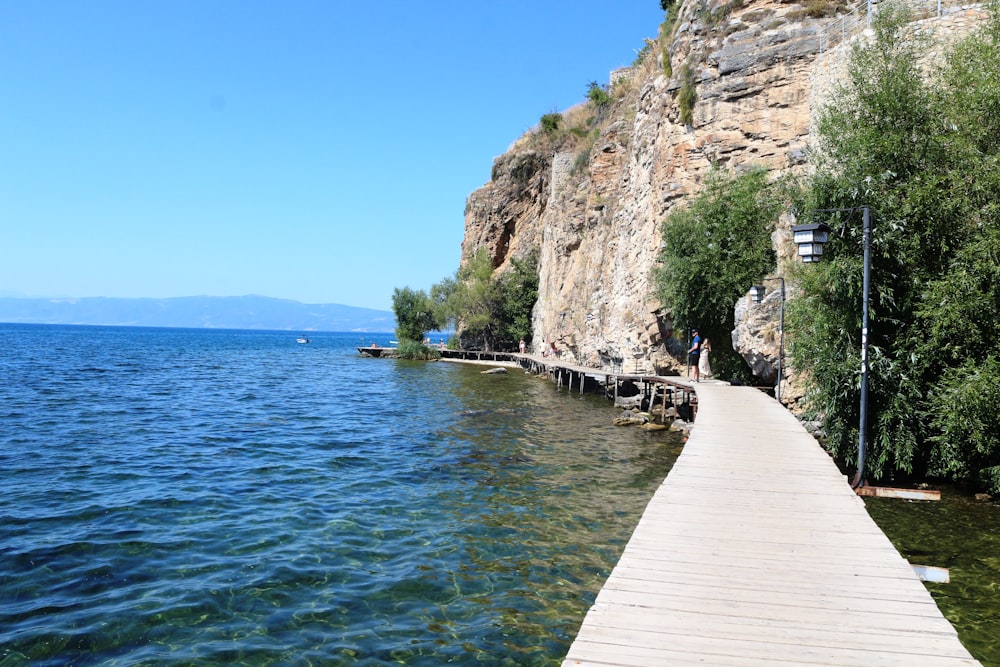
[755, 551]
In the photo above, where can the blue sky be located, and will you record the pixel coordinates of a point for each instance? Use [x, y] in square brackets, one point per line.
[320, 151]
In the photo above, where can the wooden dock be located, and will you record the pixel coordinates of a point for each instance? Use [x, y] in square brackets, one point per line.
[576, 378]
[756, 551]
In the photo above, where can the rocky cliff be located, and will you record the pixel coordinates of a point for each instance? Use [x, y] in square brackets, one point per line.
[589, 197]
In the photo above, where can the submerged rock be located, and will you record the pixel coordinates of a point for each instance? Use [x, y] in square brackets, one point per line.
[629, 418]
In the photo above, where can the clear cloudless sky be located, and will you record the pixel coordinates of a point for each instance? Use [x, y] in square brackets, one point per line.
[315, 150]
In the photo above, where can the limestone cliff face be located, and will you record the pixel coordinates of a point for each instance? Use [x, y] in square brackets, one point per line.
[593, 215]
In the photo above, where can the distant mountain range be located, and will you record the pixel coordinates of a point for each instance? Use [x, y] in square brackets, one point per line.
[225, 312]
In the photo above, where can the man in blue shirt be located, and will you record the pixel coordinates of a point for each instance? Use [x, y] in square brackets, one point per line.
[693, 354]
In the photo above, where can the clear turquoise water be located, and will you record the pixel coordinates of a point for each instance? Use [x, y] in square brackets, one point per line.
[963, 535]
[193, 497]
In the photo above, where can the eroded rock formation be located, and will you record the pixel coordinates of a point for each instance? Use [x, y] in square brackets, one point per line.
[593, 214]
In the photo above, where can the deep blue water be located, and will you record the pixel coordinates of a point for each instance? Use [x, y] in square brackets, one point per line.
[201, 497]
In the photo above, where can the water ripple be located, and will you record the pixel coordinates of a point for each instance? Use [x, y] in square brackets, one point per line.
[178, 497]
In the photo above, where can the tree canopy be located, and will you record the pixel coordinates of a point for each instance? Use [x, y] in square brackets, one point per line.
[415, 314]
[489, 311]
[921, 147]
[712, 252]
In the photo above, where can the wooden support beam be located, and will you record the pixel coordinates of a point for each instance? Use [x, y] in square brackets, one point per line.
[905, 494]
[663, 414]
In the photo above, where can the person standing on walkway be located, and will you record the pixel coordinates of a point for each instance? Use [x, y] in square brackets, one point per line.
[522, 346]
[704, 368]
[693, 354]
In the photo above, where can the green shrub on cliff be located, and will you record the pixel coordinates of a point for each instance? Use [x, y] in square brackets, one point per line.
[687, 95]
[921, 147]
[712, 252]
[550, 123]
[598, 95]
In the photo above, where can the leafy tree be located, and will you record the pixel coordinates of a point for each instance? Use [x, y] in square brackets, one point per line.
[922, 150]
[441, 298]
[414, 314]
[598, 95]
[489, 311]
[474, 300]
[518, 293]
[712, 252]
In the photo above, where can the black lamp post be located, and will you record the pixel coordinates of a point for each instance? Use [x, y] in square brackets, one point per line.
[810, 239]
[757, 295]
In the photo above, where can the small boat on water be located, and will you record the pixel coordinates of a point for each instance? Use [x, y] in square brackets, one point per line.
[301, 339]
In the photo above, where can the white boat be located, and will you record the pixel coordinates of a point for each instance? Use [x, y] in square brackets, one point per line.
[301, 339]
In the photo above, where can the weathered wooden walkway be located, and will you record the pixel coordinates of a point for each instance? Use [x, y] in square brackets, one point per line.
[755, 551]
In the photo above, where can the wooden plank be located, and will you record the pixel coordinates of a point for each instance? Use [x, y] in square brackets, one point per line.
[617, 646]
[904, 494]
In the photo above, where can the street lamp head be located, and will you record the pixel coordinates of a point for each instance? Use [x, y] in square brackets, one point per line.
[757, 293]
[810, 239]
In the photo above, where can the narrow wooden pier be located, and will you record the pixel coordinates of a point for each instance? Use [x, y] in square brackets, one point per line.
[755, 551]
[675, 390]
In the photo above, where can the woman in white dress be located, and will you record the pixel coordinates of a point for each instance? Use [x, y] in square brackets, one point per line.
[704, 368]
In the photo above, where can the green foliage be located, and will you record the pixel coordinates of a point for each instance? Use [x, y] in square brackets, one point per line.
[491, 312]
[414, 314]
[666, 37]
[712, 252]
[518, 292]
[551, 122]
[582, 159]
[966, 434]
[922, 149]
[687, 95]
[598, 95]
[411, 349]
[473, 300]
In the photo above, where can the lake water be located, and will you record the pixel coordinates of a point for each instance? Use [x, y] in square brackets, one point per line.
[963, 535]
[199, 497]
